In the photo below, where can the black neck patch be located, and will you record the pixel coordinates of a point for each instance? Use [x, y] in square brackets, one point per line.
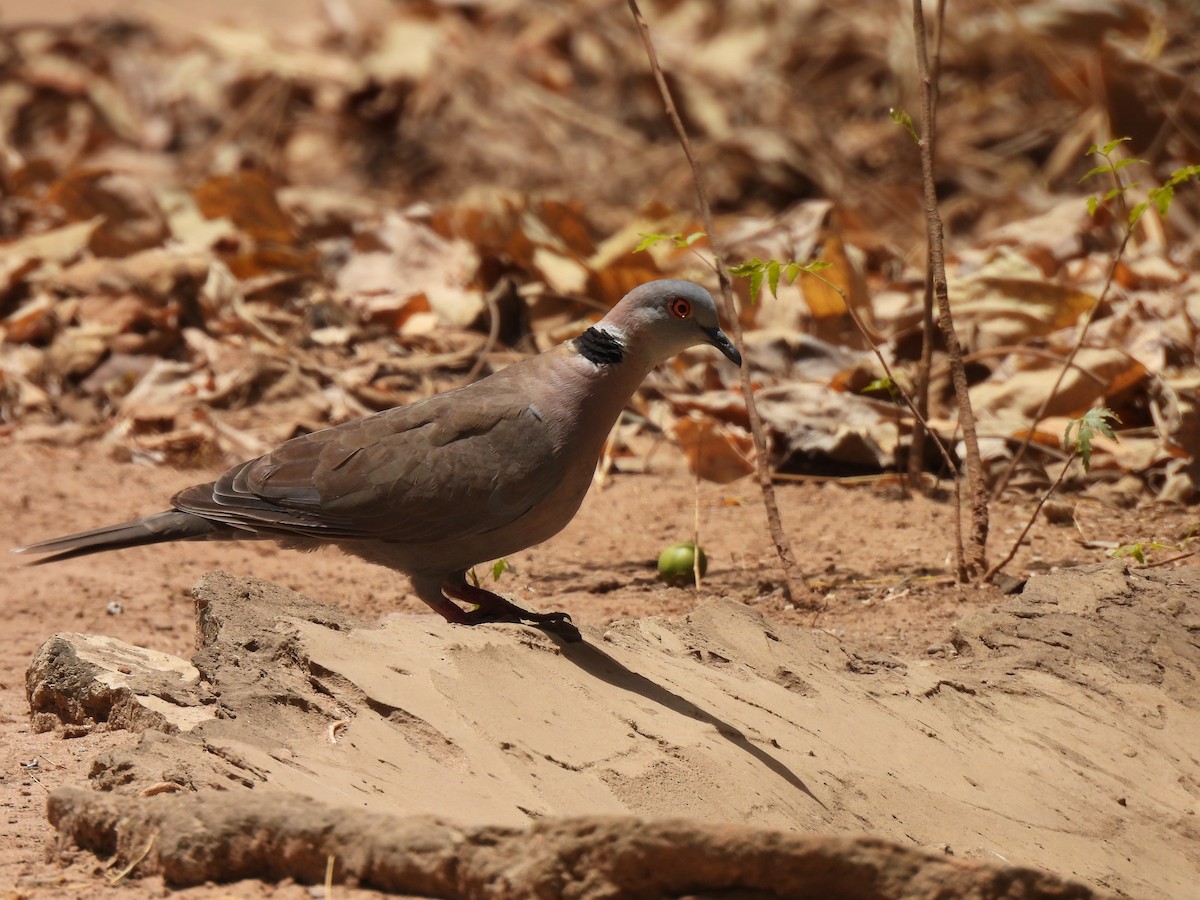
[600, 347]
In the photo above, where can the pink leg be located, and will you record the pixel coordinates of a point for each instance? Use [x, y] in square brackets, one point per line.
[490, 607]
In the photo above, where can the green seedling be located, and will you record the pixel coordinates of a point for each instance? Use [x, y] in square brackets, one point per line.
[679, 239]
[1159, 197]
[1085, 429]
[1138, 551]
[773, 270]
[499, 567]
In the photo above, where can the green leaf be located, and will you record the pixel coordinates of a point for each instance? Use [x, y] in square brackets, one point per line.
[773, 269]
[882, 384]
[1093, 172]
[680, 239]
[1110, 146]
[1162, 197]
[499, 567]
[1092, 202]
[1181, 175]
[755, 285]
[1085, 429]
[901, 117]
[743, 269]
[752, 269]
[647, 241]
[1128, 161]
[1137, 551]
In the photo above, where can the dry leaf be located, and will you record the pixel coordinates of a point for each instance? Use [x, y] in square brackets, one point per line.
[248, 200]
[814, 424]
[131, 218]
[1008, 400]
[58, 245]
[33, 321]
[715, 451]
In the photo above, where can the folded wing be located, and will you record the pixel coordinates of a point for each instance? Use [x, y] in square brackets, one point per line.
[438, 469]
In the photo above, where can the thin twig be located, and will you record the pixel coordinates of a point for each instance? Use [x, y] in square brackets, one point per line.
[1066, 366]
[887, 370]
[795, 586]
[994, 570]
[960, 570]
[696, 551]
[608, 454]
[120, 876]
[330, 862]
[976, 489]
[1168, 560]
[924, 376]
[1008, 350]
[489, 299]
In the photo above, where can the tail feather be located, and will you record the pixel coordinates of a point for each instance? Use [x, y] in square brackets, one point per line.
[172, 525]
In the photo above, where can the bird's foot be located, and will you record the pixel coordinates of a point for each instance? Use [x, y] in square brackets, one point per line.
[489, 607]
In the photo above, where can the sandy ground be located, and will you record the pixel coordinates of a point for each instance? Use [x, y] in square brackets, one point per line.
[1078, 757]
[867, 553]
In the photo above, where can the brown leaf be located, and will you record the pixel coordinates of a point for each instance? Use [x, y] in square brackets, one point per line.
[1057, 305]
[131, 217]
[137, 325]
[162, 272]
[624, 274]
[812, 422]
[823, 299]
[247, 199]
[58, 245]
[77, 350]
[715, 451]
[34, 321]
[1007, 400]
[488, 219]
[414, 261]
[569, 224]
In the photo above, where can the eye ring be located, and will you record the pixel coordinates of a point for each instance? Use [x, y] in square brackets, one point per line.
[680, 308]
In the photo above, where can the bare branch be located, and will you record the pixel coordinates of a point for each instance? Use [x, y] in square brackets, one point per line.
[995, 570]
[1066, 367]
[976, 489]
[794, 584]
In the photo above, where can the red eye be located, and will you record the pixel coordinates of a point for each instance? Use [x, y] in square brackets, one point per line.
[680, 308]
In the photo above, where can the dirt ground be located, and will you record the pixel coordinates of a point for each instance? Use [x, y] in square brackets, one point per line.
[1086, 743]
[877, 563]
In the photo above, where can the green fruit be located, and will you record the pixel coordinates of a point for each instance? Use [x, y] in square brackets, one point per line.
[676, 564]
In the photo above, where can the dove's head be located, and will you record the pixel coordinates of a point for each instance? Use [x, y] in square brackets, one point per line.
[658, 319]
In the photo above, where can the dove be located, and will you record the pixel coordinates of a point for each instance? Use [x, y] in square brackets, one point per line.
[442, 484]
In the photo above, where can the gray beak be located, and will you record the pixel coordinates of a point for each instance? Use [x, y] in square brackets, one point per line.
[718, 339]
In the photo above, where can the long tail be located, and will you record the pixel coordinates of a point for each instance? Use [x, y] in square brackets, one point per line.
[172, 525]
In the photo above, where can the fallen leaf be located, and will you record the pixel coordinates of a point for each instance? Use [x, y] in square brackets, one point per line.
[714, 451]
[131, 217]
[248, 200]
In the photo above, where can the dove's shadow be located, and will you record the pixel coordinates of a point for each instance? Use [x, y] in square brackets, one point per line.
[598, 664]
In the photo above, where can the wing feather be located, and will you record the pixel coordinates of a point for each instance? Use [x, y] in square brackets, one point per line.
[458, 464]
